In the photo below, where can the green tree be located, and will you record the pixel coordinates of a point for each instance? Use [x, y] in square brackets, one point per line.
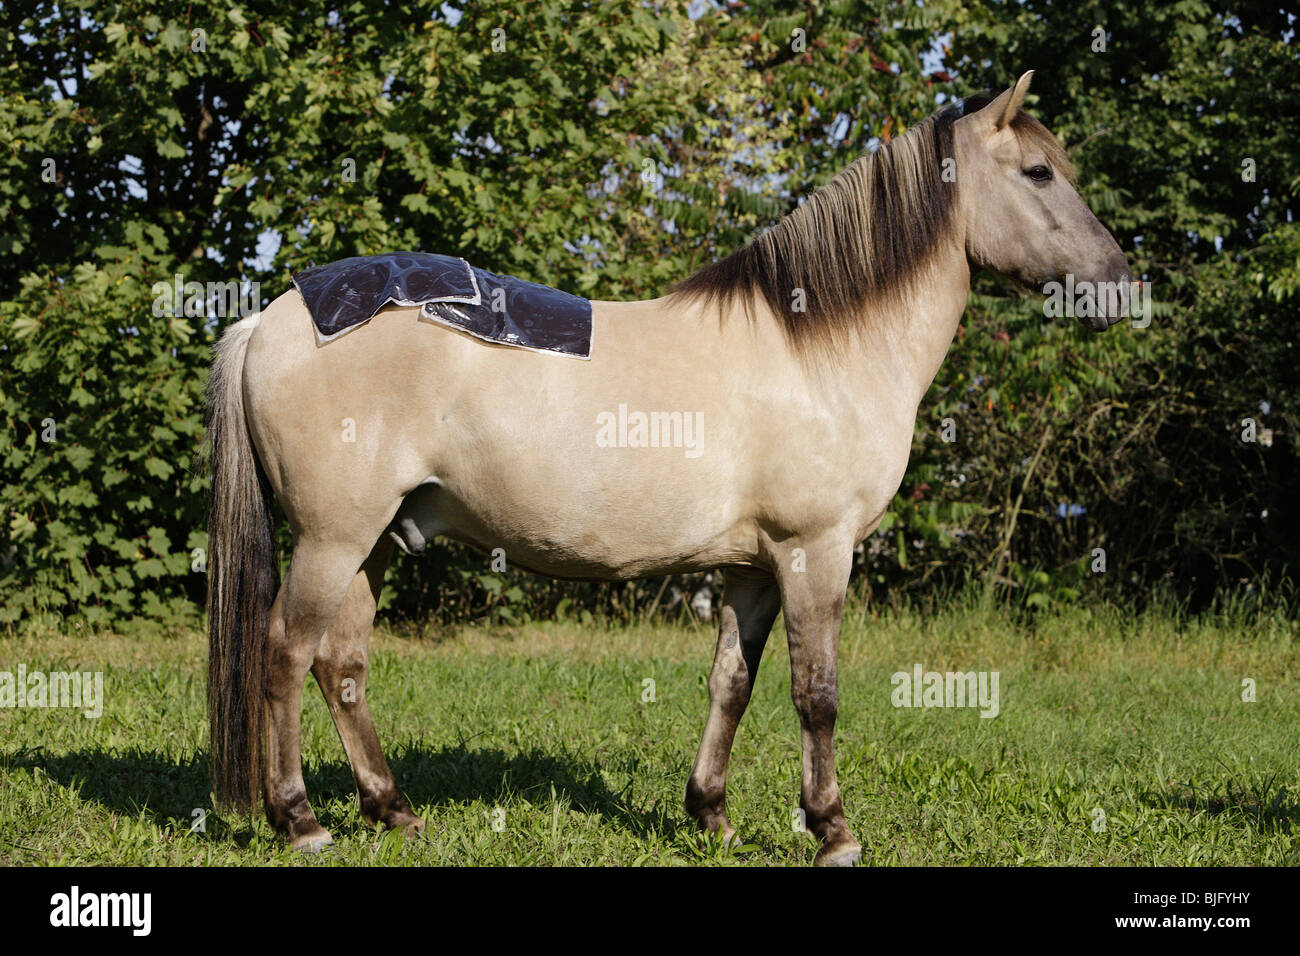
[609, 149]
[237, 144]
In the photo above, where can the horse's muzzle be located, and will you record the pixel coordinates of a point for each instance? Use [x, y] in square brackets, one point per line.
[1112, 300]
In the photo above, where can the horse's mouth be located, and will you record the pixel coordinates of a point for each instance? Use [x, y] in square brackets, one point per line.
[1109, 309]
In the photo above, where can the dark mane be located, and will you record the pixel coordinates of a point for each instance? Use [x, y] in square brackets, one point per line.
[856, 245]
[858, 240]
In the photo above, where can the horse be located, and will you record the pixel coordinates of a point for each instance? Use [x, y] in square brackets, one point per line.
[804, 356]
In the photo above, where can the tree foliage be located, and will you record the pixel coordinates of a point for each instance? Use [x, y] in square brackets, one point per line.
[610, 149]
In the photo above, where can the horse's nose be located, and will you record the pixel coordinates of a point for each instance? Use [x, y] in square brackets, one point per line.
[1125, 296]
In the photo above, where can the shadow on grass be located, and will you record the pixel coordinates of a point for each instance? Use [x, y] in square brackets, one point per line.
[167, 790]
[1267, 806]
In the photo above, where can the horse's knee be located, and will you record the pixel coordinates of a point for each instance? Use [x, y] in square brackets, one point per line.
[341, 673]
[817, 701]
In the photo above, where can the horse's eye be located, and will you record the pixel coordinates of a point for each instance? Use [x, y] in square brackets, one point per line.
[1039, 174]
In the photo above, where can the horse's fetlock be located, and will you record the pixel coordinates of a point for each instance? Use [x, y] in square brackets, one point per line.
[705, 802]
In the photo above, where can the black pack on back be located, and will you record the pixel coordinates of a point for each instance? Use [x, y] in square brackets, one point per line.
[344, 295]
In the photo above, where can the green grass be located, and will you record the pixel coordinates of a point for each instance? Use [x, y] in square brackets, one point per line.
[1140, 716]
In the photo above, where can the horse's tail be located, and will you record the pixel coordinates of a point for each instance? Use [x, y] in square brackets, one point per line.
[243, 576]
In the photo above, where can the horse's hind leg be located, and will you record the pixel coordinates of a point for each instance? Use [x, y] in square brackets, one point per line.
[342, 661]
[750, 604]
[318, 580]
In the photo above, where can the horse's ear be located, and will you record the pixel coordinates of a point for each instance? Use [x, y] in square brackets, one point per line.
[1003, 109]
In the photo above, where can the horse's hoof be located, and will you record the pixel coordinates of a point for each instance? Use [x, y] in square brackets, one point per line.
[315, 842]
[409, 824]
[839, 854]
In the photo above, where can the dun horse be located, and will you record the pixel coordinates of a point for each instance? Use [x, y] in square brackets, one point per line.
[804, 356]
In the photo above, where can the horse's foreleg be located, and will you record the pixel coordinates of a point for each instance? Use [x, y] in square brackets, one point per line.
[813, 581]
[749, 606]
[318, 579]
[342, 662]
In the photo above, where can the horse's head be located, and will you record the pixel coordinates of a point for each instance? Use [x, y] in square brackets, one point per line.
[1023, 217]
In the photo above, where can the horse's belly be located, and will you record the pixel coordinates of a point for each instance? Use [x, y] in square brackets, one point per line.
[577, 529]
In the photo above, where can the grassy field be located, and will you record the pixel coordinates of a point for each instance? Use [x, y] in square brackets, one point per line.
[1141, 717]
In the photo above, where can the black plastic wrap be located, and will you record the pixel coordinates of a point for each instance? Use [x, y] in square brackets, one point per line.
[502, 309]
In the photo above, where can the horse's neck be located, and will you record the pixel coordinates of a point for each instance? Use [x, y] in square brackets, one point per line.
[903, 352]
